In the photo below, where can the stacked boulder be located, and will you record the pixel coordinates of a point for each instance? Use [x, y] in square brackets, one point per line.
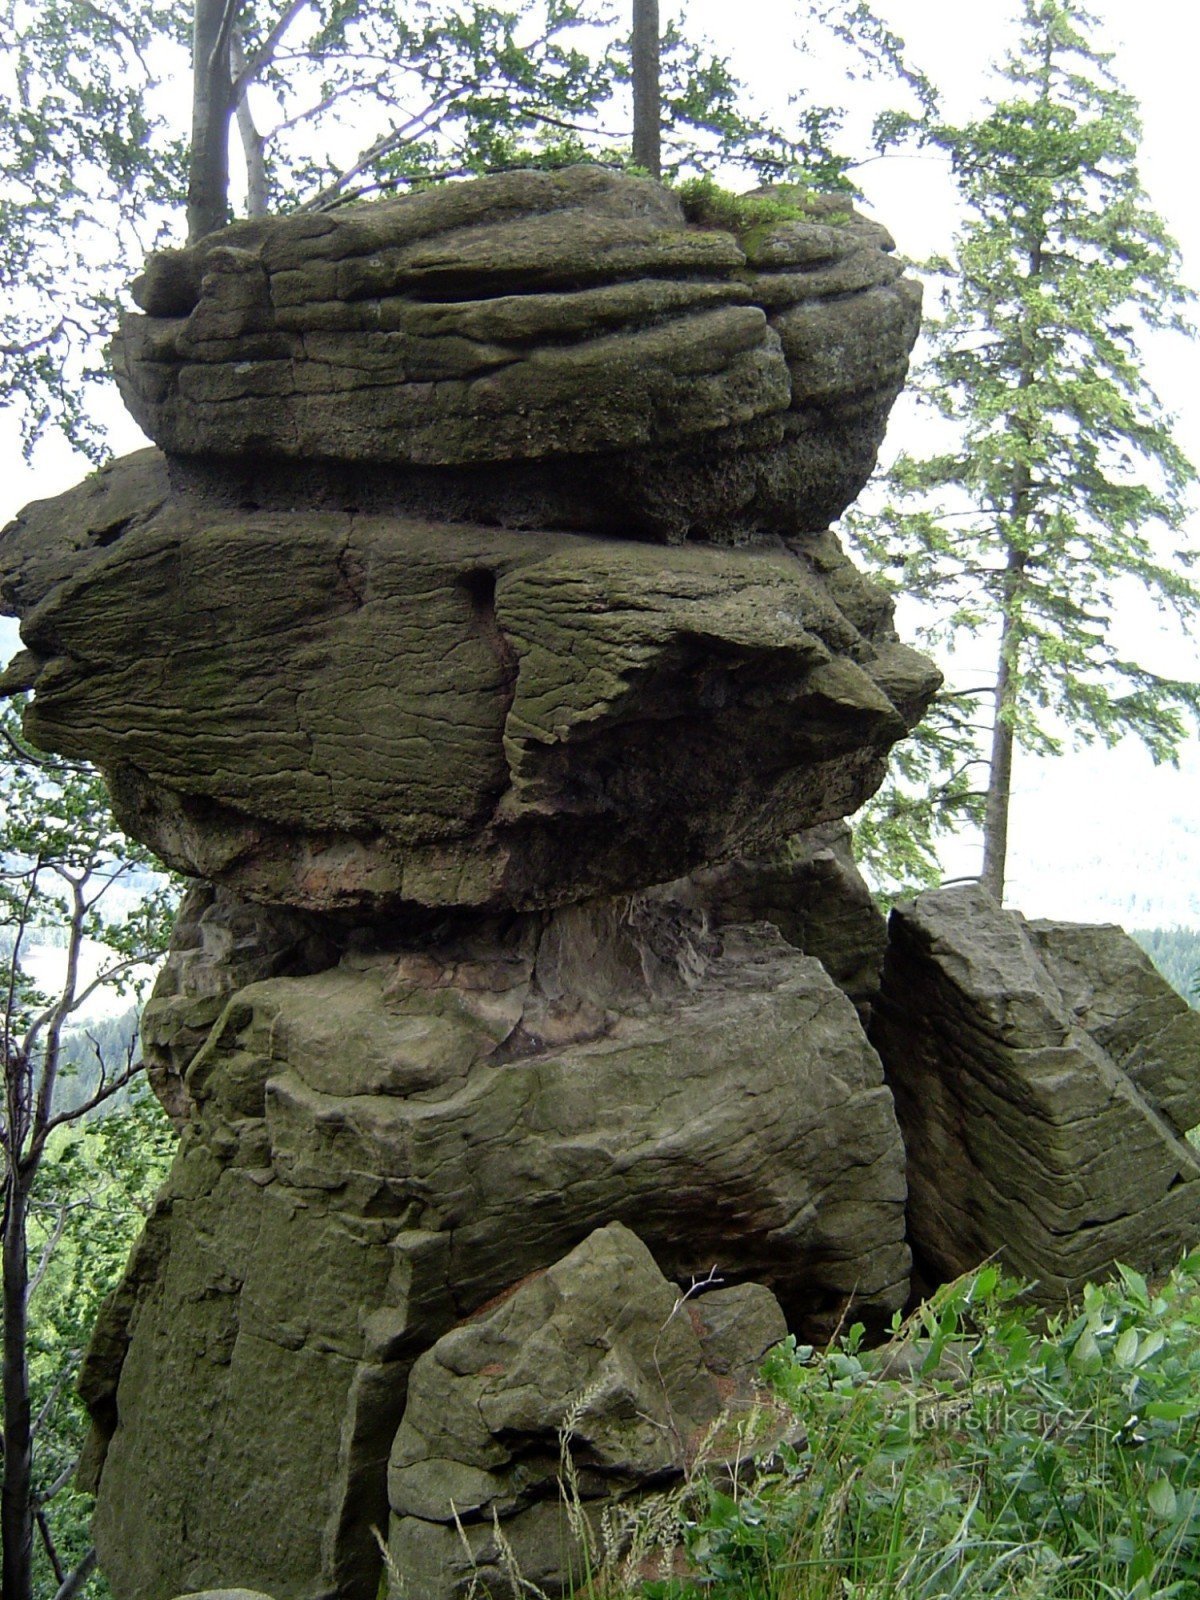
[478, 644]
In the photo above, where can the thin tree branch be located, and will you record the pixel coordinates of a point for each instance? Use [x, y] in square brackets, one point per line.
[224, 30]
[59, 1484]
[39, 1517]
[48, 1251]
[37, 343]
[70, 1587]
[48, 1405]
[248, 70]
[252, 140]
[104, 1093]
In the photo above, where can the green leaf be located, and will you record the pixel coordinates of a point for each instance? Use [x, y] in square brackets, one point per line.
[1126, 1349]
[1161, 1499]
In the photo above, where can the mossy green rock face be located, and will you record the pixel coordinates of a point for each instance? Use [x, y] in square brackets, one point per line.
[1045, 1078]
[329, 710]
[569, 327]
[594, 1381]
[375, 1151]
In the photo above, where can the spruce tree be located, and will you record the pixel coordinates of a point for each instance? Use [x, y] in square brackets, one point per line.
[1062, 482]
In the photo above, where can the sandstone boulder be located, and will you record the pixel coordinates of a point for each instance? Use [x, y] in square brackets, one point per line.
[219, 944]
[1045, 1077]
[226, 1594]
[333, 711]
[530, 1429]
[551, 347]
[378, 1149]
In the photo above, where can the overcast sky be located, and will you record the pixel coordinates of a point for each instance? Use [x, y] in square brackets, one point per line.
[1088, 832]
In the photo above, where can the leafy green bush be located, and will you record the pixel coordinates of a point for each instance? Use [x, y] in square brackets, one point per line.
[93, 1193]
[989, 1452]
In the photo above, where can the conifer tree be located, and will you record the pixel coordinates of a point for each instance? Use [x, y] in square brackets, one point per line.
[1062, 483]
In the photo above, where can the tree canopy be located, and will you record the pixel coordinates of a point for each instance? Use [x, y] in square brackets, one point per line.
[326, 101]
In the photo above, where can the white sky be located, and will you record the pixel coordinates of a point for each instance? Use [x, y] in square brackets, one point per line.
[1092, 834]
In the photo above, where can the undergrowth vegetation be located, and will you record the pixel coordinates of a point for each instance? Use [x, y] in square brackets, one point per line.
[707, 205]
[989, 1450]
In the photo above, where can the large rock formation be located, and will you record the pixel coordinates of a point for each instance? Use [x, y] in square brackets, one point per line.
[374, 1151]
[483, 584]
[478, 640]
[1045, 1078]
[348, 710]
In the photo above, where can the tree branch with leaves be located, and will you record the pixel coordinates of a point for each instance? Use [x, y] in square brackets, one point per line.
[64, 867]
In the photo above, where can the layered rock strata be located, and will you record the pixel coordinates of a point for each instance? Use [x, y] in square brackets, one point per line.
[340, 711]
[1045, 1078]
[374, 1151]
[570, 339]
[481, 593]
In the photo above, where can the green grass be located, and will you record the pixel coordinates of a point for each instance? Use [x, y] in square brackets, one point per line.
[1014, 1456]
[707, 205]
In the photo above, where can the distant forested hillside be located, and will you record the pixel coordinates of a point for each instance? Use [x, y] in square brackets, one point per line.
[1176, 954]
[111, 1040]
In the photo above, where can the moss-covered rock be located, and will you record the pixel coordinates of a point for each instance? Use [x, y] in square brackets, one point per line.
[326, 710]
[376, 1150]
[560, 340]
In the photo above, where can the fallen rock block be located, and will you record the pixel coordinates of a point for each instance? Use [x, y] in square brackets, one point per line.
[533, 1429]
[1045, 1078]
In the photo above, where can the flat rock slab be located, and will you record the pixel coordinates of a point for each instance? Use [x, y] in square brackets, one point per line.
[377, 1150]
[1045, 1078]
[327, 710]
[553, 1414]
[573, 324]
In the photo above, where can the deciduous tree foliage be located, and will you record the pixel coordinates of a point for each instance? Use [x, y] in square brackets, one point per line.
[325, 101]
[62, 864]
[1061, 484]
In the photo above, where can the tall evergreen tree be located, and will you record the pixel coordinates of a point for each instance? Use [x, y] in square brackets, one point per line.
[1063, 482]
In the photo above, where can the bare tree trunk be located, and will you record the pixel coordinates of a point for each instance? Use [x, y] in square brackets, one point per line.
[16, 1511]
[212, 108]
[253, 143]
[1000, 763]
[647, 89]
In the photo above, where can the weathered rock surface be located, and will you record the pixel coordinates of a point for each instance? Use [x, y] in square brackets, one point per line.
[589, 1384]
[377, 1149]
[624, 369]
[219, 944]
[812, 891]
[389, 649]
[331, 710]
[1045, 1077]
[226, 1594]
